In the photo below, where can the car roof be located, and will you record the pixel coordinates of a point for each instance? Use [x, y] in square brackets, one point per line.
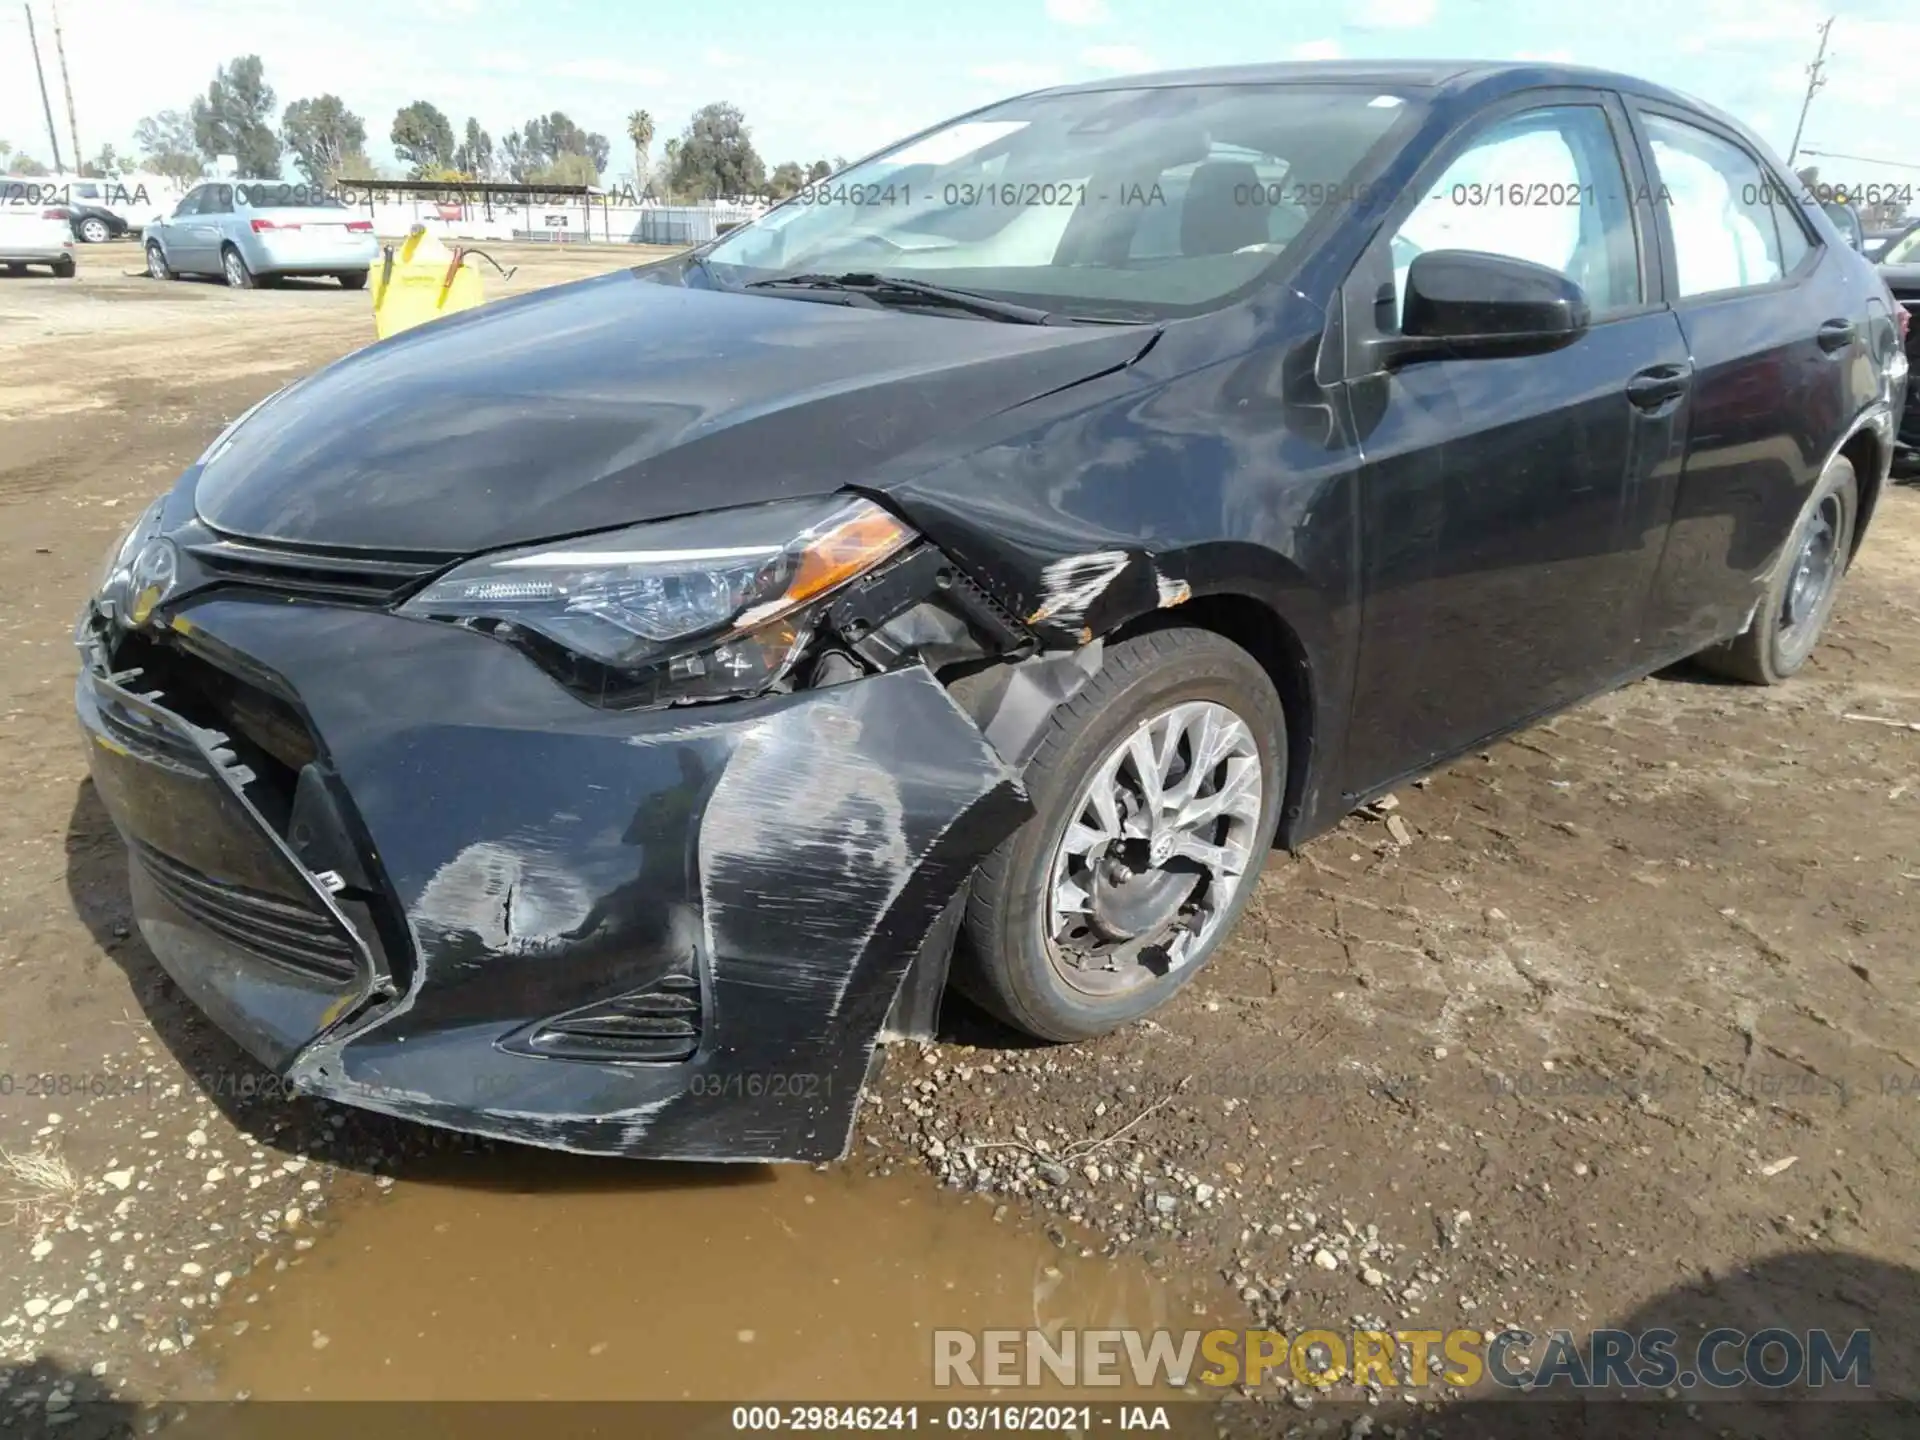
[1445, 78]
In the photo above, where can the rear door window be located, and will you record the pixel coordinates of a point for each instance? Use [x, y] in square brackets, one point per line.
[1734, 226]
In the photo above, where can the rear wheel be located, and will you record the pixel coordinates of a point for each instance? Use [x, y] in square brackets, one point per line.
[65, 269]
[95, 231]
[1800, 595]
[354, 280]
[1155, 790]
[157, 265]
[234, 268]
[16, 267]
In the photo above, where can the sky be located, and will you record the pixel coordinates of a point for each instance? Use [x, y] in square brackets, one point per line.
[845, 77]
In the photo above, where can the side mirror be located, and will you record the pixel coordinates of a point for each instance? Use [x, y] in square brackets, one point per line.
[1466, 303]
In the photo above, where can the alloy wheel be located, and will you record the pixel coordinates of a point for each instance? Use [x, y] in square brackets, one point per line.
[1159, 843]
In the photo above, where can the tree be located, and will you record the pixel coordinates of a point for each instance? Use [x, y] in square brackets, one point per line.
[640, 132]
[475, 152]
[235, 117]
[819, 170]
[670, 167]
[717, 157]
[167, 146]
[6, 149]
[787, 178]
[568, 170]
[321, 132]
[546, 138]
[513, 156]
[107, 165]
[25, 165]
[422, 137]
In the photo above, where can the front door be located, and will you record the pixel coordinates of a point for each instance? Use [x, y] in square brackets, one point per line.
[1512, 509]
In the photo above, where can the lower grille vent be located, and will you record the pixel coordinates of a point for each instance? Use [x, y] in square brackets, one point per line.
[282, 932]
[660, 1023]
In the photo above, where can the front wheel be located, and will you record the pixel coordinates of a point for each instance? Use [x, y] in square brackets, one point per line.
[1156, 790]
[353, 280]
[157, 265]
[1799, 597]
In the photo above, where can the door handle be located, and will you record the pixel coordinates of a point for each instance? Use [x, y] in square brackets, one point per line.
[1836, 335]
[1656, 385]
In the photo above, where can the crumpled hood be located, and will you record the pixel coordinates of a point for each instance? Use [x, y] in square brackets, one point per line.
[612, 401]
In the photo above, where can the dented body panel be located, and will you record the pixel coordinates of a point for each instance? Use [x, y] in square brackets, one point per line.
[791, 856]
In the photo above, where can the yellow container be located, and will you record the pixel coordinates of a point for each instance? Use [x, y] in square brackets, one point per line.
[421, 280]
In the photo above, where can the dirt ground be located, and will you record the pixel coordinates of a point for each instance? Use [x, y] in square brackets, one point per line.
[1625, 1029]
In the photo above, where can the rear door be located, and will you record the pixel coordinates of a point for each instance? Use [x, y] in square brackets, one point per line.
[1775, 329]
[1511, 507]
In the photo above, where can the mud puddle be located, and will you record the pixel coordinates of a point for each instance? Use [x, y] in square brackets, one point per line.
[525, 1276]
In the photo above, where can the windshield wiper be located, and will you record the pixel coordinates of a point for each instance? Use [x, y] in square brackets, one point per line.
[891, 289]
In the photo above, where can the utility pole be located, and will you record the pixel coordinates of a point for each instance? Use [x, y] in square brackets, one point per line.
[1815, 81]
[53, 136]
[60, 49]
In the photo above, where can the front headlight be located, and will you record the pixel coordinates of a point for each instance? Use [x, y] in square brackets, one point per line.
[114, 592]
[696, 608]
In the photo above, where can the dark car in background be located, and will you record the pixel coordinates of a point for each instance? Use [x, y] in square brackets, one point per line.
[602, 718]
[1900, 268]
[96, 224]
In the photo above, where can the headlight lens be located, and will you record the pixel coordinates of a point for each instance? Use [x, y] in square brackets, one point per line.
[704, 606]
[116, 570]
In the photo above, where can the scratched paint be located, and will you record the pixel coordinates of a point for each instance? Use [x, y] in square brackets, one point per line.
[524, 1275]
[1068, 587]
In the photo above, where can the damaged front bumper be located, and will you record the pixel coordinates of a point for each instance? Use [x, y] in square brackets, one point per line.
[407, 871]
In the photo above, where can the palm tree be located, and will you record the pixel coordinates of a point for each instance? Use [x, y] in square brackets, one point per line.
[640, 131]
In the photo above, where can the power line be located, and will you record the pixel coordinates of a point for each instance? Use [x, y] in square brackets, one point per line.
[1815, 82]
[1860, 159]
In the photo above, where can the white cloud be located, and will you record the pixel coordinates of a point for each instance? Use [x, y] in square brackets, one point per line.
[1017, 75]
[1397, 14]
[722, 59]
[607, 72]
[1316, 50]
[1121, 58]
[1545, 57]
[1077, 12]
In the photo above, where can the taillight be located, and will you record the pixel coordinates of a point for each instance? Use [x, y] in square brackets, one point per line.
[55, 215]
[259, 226]
[360, 227]
[1906, 319]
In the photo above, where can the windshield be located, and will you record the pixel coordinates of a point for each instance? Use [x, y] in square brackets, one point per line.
[1139, 203]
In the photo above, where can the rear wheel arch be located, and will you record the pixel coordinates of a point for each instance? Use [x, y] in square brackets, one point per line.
[1869, 457]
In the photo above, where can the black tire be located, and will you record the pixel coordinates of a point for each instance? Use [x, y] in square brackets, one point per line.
[353, 280]
[65, 269]
[95, 231]
[1004, 964]
[1771, 650]
[16, 267]
[233, 269]
[157, 265]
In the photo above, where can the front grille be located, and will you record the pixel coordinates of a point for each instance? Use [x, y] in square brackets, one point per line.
[302, 938]
[661, 1022]
[342, 577]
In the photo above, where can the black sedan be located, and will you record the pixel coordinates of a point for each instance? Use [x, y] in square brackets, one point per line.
[602, 718]
[96, 224]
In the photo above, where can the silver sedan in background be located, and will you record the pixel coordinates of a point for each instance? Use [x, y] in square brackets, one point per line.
[251, 230]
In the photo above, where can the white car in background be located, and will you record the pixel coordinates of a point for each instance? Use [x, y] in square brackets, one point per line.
[34, 231]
